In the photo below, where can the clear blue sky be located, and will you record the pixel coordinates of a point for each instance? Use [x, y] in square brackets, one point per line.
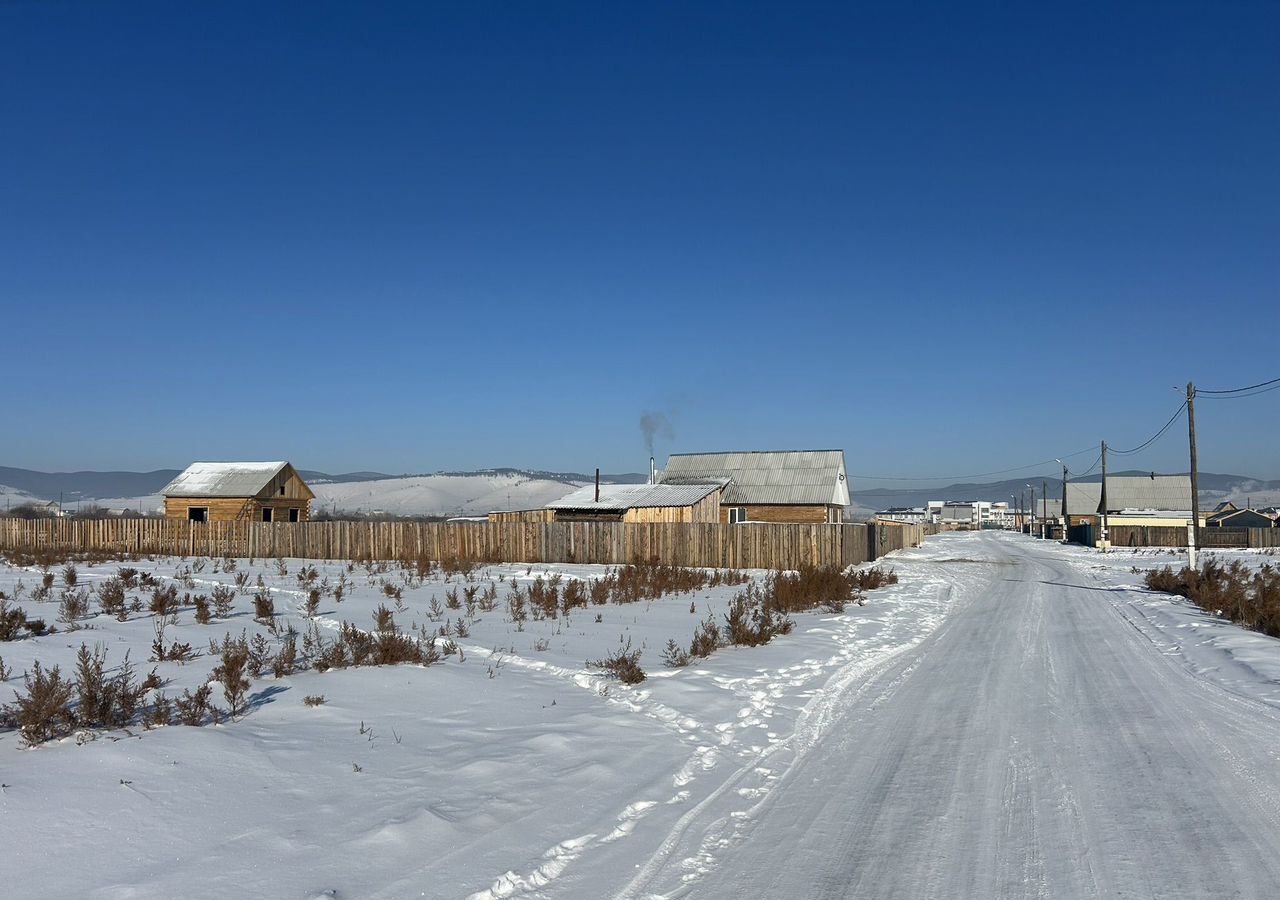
[410, 236]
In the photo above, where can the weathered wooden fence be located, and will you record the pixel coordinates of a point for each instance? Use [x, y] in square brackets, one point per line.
[754, 546]
[1176, 536]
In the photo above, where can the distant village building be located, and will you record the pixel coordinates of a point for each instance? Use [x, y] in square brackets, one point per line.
[1146, 500]
[238, 492]
[795, 486]
[1241, 518]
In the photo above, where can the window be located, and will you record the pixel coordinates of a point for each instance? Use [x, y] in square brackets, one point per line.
[295, 514]
[197, 514]
[266, 513]
[737, 514]
[282, 490]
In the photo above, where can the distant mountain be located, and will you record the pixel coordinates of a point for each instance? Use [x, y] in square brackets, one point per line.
[438, 493]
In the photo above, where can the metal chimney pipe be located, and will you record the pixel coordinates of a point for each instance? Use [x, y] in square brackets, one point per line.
[597, 484]
[653, 472]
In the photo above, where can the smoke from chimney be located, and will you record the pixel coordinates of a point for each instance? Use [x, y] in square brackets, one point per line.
[655, 424]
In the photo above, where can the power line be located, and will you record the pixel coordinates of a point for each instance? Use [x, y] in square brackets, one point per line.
[1149, 441]
[1241, 396]
[972, 475]
[1241, 390]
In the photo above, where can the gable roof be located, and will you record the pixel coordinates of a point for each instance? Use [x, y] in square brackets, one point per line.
[621, 497]
[785, 477]
[225, 479]
[1083, 497]
[1161, 492]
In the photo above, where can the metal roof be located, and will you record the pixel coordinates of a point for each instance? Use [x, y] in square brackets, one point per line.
[1083, 497]
[615, 497]
[223, 479]
[799, 477]
[1162, 492]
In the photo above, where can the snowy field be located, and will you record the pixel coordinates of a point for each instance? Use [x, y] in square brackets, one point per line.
[513, 769]
[504, 769]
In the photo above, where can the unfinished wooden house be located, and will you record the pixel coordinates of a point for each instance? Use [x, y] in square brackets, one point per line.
[797, 486]
[238, 491]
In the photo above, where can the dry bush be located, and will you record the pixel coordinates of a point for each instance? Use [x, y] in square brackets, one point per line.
[675, 656]
[174, 652]
[623, 664]
[112, 599]
[231, 673]
[223, 600]
[313, 700]
[105, 701]
[264, 608]
[14, 621]
[193, 709]
[128, 577]
[69, 575]
[159, 713]
[45, 712]
[751, 621]
[73, 606]
[313, 603]
[204, 614]
[164, 600]
[1251, 599]
[307, 576]
[707, 638]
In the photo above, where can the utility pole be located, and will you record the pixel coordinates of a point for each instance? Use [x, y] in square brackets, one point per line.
[1104, 496]
[1022, 495]
[1195, 472]
[1066, 520]
[1031, 513]
[1044, 510]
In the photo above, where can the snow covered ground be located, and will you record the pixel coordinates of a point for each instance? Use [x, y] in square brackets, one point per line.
[1014, 718]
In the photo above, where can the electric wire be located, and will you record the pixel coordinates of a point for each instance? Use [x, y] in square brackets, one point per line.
[1241, 390]
[1036, 465]
[1149, 441]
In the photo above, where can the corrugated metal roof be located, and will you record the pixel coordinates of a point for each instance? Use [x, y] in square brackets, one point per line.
[223, 479]
[1083, 498]
[615, 497]
[1163, 492]
[809, 477]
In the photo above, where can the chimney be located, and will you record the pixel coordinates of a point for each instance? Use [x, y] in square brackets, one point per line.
[653, 472]
[597, 484]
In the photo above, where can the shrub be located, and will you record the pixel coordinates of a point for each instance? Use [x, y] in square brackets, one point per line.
[675, 656]
[204, 615]
[193, 708]
[223, 598]
[235, 686]
[164, 600]
[105, 702]
[73, 606]
[111, 598]
[706, 638]
[264, 608]
[623, 664]
[45, 712]
[313, 603]
[751, 621]
[1251, 599]
[14, 621]
[313, 700]
[69, 575]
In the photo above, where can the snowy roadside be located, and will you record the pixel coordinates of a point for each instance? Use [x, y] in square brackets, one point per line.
[1242, 661]
[511, 770]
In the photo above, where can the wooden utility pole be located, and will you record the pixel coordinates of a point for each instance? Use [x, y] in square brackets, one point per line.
[1195, 471]
[1066, 520]
[1044, 510]
[1104, 497]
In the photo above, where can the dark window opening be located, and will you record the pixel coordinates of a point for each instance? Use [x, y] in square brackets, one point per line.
[282, 490]
[295, 515]
[266, 513]
[197, 514]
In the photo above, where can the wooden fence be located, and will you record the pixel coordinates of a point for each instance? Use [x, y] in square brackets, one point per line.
[1176, 536]
[711, 545]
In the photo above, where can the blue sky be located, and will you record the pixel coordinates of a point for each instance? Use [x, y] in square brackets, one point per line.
[407, 237]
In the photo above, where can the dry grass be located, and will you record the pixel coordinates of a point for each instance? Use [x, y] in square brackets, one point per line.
[1249, 598]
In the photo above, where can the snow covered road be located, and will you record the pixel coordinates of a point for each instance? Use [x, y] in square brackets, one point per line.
[1040, 743]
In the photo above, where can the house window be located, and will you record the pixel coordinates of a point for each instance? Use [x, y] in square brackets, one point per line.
[197, 514]
[737, 514]
[282, 490]
[266, 513]
[295, 514]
